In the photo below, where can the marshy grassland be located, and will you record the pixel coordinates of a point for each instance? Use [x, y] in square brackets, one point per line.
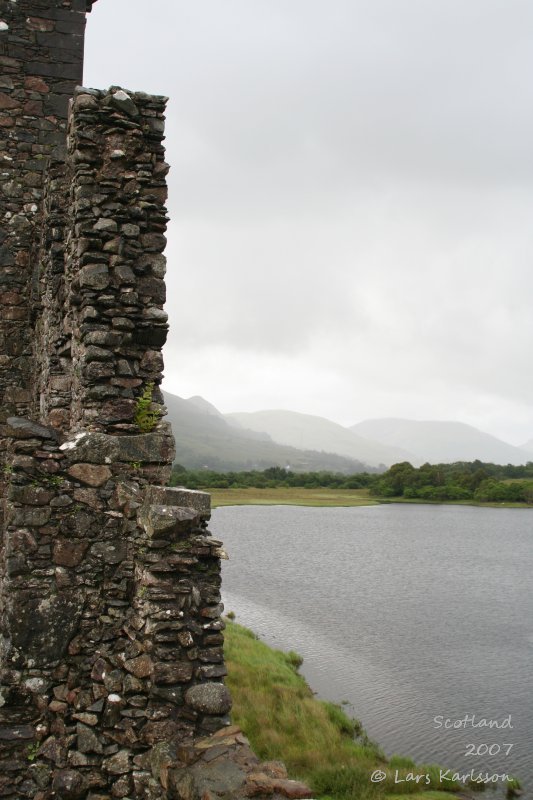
[291, 496]
[327, 497]
[316, 739]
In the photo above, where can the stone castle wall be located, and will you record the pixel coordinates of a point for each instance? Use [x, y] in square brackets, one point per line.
[41, 62]
[110, 629]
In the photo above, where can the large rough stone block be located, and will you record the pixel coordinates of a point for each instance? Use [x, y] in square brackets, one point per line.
[41, 628]
[167, 520]
[177, 496]
[103, 448]
[91, 474]
[209, 698]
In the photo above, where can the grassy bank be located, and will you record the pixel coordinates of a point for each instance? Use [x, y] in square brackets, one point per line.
[300, 496]
[317, 741]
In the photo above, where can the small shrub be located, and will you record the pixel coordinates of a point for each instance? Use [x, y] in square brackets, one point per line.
[341, 721]
[294, 659]
[145, 418]
[32, 750]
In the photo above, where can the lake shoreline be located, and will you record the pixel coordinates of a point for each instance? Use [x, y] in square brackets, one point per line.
[328, 498]
[347, 759]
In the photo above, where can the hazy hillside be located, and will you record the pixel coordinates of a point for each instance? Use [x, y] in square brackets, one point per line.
[317, 433]
[443, 442]
[528, 449]
[205, 439]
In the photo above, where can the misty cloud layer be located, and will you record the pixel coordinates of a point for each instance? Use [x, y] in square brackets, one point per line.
[351, 201]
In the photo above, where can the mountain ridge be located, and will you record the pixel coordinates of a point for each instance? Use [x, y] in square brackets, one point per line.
[259, 439]
[204, 439]
[441, 441]
[311, 432]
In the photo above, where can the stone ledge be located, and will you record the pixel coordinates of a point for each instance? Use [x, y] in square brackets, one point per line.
[23, 428]
[103, 448]
[179, 496]
[160, 520]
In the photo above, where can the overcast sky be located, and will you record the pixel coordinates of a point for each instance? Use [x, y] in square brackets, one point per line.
[351, 197]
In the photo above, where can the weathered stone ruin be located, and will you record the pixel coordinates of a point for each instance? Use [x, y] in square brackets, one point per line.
[111, 661]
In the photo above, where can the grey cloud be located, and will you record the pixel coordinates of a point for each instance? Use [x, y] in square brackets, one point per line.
[351, 199]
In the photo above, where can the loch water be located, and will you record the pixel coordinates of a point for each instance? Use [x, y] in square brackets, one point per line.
[410, 614]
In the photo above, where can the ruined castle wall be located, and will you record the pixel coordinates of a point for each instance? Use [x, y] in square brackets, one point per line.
[110, 628]
[41, 61]
[114, 263]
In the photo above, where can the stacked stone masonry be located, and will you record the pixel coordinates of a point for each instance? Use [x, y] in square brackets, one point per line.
[111, 643]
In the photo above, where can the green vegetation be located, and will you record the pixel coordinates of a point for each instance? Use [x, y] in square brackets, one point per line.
[271, 478]
[318, 742]
[472, 483]
[145, 418]
[467, 482]
[32, 750]
[286, 496]
[514, 788]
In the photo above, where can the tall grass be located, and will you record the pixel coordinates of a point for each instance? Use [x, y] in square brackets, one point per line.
[318, 742]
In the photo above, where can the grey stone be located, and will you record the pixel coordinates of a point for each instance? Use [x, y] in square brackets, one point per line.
[42, 628]
[34, 517]
[26, 429]
[93, 353]
[104, 224]
[90, 474]
[102, 338]
[123, 102]
[118, 764]
[172, 672]
[94, 276]
[157, 520]
[110, 552]
[209, 698]
[85, 102]
[68, 784]
[87, 741]
[155, 314]
[102, 448]
[212, 671]
[177, 496]
[62, 501]
[130, 230]
[169, 694]
[124, 274]
[15, 733]
[220, 779]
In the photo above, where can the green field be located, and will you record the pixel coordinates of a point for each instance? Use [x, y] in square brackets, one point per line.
[291, 496]
[318, 742]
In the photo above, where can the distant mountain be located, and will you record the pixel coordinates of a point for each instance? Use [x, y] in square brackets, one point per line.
[204, 438]
[204, 405]
[528, 449]
[440, 442]
[317, 433]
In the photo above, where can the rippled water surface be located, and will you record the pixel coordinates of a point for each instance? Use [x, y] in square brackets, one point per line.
[406, 612]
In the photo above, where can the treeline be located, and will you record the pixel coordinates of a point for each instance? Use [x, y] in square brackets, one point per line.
[476, 481]
[270, 478]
